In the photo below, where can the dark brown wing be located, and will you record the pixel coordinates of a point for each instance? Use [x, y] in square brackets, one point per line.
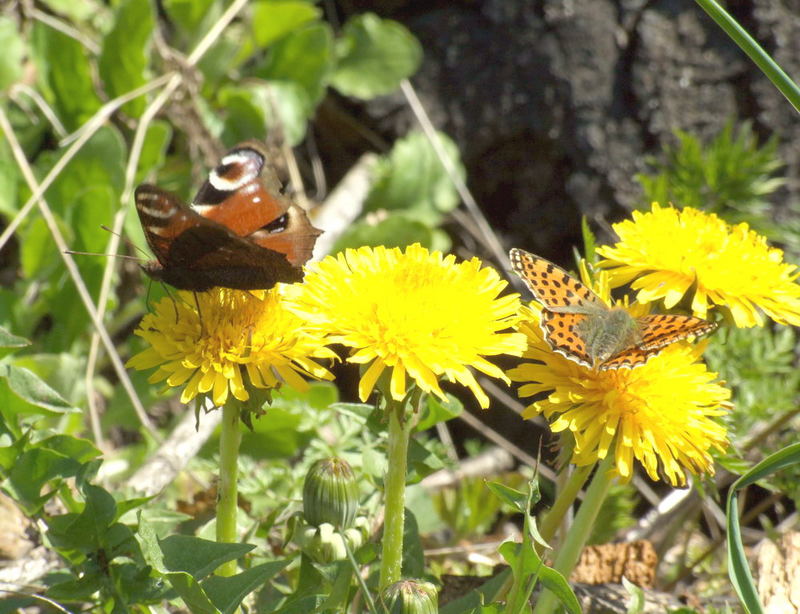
[195, 253]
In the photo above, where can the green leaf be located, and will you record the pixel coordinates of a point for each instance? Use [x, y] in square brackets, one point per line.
[13, 52]
[397, 230]
[126, 52]
[245, 112]
[436, 411]
[413, 180]
[188, 14]
[373, 56]
[198, 557]
[7, 340]
[738, 568]
[276, 435]
[65, 75]
[9, 180]
[22, 391]
[227, 593]
[154, 148]
[273, 19]
[413, 565]
[291, 108]
[76, 10]
[304, 57]
[191, 592]
[485, 593]
[558, 585]
[516, 499]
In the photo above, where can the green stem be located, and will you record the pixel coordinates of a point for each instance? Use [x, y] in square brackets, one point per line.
[756, 53]
[395, 491]
[579, 532]
[564, 500]
[230, 438]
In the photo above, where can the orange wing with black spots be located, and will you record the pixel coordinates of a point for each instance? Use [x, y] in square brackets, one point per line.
[658, 331]
[561, 334]
[551, 285]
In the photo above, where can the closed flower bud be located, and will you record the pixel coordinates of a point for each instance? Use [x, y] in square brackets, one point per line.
[410, 597]
[330, 494]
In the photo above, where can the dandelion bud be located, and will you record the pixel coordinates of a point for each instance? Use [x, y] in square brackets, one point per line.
[330, 493]
[410, 597]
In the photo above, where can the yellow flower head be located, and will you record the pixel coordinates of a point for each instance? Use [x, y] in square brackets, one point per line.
[659, 413]
[417, 313]
[236, 332]
[667, 252]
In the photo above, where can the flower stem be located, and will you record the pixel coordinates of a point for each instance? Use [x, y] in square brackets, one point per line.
[760, 57]
[566, 497]
[395, 490]
[570, 549]
[230, 438]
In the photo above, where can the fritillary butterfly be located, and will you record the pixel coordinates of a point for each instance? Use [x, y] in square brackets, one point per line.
[578, 325]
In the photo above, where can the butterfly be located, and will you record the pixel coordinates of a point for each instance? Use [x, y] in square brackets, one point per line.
[578, 325]
[239, 231]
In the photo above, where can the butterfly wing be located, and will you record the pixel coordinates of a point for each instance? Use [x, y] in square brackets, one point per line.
[659, 330]
[551, 285]
[656, 331]
[560, 331]
[242, 194]
[196, 253]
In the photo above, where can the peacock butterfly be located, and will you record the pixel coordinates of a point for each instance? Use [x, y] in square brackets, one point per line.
[239, 231]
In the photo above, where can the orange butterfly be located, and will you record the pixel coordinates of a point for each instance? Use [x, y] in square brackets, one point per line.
[578, 325]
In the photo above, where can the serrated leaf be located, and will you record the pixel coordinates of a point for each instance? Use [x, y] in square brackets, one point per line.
[125, 54]
[304, 57]
[373, 56]
[245, 113]
[13, 47]
[198, 557]
[413, 180]
[65, 75]
[227, 593]
[273, 19]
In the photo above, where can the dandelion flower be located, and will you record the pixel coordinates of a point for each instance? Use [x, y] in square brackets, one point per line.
[236, 333]
[667, 253]
[419, 314]
[660, 413]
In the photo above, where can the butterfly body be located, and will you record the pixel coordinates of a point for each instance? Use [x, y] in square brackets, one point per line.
[239, 232]
[578, 325]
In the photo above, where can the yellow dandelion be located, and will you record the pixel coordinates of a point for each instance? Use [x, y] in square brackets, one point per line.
[660, 413]
[419, 314]
[667, 253]
[236, 334]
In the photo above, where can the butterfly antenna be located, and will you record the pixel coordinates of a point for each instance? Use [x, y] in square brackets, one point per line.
[127, 241]
[73, 252]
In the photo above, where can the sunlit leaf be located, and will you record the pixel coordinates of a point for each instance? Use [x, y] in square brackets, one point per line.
[373, 55]
[304, 57]
[273, 19]
[65, 74]
[412, 179]
[13, 51]
[126, 52]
